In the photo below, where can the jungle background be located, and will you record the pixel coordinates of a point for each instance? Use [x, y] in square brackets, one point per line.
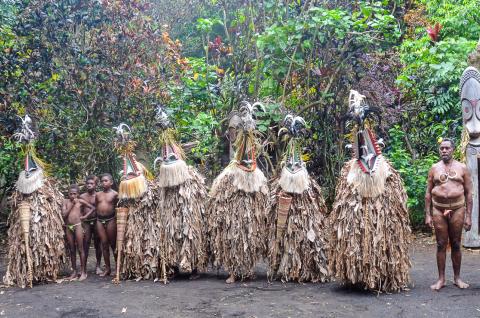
[80, 67]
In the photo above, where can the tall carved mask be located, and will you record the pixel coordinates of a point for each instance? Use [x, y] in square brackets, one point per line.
[171, 153]
[470, 98]
[365, 144]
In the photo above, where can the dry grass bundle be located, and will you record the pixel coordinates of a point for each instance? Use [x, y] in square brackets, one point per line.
[141, 251]
[46, 237]
[299, 254]
[237, 222]
[181, 213]
[133, 188]
[370, 236]
[294, 182]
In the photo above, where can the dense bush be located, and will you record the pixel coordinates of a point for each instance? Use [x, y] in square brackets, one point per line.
[81, 67]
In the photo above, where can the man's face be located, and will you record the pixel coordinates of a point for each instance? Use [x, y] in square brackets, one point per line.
[90, 185]
[446, 151]
[106, 183]
[72, 194]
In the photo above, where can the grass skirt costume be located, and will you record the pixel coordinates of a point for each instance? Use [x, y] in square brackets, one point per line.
[296, 219]
[370, 233]
[237, 207]
[141, 253]
[181, 199]
[137, 226]
[36, 248]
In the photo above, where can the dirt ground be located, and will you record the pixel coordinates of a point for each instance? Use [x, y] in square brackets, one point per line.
[209, 296]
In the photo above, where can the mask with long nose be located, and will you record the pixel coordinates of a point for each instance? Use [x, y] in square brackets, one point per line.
[470, 98]
[365, 144]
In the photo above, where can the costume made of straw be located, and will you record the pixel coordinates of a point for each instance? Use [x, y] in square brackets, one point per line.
[35, 236]
[296, 218]
[237, 205]
[137, 229]
[370, 230]
[181, 201]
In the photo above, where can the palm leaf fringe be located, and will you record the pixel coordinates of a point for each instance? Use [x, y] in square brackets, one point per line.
[299, 254]
[181, 213]
[46, 237]
[370, 236]
[237, 221]
[141, 251]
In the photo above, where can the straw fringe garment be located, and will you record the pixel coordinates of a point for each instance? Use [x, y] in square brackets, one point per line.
[370, 230]
[46, 237]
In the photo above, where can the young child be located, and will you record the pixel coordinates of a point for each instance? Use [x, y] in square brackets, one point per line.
[90, 224]
[72, 214]
[106, 201]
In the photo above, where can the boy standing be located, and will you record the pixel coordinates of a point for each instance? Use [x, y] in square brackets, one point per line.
[90, 224]
[73, 217]
[106, 201]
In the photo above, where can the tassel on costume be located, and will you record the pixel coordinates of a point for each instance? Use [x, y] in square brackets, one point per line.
[132, 188]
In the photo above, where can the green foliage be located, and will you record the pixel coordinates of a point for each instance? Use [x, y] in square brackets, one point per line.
[82, 67]
[10, 163]
[432, 69]
[414, 173]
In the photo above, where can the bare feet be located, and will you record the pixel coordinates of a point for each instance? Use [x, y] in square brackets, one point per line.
[82, 277]
[107, 272]
[460, 284]
[98, 270]
[438, 285]
[73, 276]
[230, 279]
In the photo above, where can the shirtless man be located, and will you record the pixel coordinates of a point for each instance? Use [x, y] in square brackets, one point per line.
[73, 217]
[90, 224]
[449, 187]
[106, 201]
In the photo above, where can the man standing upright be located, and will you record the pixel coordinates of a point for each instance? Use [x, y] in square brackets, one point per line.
[449, 187]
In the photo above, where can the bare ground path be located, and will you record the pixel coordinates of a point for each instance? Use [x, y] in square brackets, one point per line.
[209, 296]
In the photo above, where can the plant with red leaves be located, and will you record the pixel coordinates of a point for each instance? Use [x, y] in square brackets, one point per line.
[434, 32]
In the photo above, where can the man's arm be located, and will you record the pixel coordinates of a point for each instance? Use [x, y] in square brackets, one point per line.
[428, 199]
[88, 205]
[468, 187]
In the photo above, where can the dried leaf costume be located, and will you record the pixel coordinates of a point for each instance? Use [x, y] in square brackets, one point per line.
[181, 198]
[296, 219]
[237, 205]
[370, 230]
[35, 236]
[137, 229]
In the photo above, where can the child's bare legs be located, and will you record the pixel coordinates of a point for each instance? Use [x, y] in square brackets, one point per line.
[112, 236]
[83, 260]
[102, 234]
[91, 232]
[88, 230]
[98, 251]
[73, 253]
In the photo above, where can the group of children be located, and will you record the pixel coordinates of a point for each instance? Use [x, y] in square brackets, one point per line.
[87, 215]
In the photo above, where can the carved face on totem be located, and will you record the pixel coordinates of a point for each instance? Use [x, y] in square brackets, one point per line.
[470, 98]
